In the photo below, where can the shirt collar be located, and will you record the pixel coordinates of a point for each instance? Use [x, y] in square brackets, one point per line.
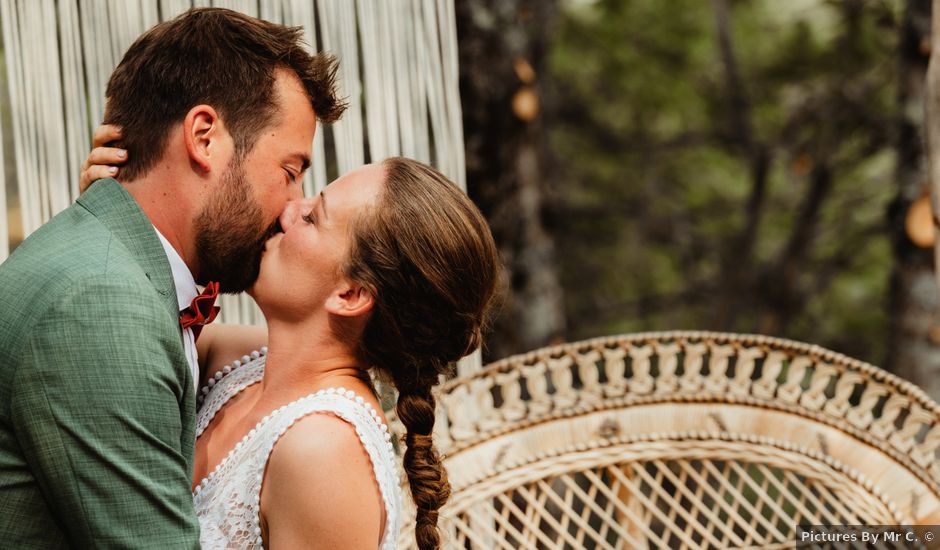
[182, 278]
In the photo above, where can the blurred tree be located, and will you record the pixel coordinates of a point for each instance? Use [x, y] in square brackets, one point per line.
[914, 351]
[503, 50]
[726, 165]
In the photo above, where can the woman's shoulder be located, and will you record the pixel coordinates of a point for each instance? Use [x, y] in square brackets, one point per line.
[342, 438]
[325, 437]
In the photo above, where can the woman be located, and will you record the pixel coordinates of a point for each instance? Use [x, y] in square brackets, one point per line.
[390, 269]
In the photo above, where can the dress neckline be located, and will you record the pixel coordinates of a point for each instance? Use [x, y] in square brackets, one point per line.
[257, 367]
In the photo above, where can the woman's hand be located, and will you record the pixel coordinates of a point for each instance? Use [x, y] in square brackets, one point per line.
[102, 161]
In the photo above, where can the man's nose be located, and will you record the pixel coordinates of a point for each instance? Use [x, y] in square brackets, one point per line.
[295, 192]
[294, 211]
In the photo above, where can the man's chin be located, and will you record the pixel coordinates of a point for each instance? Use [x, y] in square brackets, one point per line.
[238, 278]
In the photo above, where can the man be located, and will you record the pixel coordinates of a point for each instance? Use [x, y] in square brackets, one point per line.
[97, 376]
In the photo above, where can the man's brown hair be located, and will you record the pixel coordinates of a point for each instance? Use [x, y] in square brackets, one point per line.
[216, 57]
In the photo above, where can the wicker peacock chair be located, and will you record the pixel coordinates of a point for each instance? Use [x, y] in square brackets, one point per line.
[681, 440]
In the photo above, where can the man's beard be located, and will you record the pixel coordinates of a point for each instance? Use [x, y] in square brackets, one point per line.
[230, 235]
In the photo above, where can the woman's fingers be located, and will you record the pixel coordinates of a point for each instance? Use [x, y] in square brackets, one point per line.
[102, 161]
[105, 155]
[105, 134]
[94, 173]
[100, 164]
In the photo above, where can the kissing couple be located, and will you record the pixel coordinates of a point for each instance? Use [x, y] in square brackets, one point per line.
[105, 344]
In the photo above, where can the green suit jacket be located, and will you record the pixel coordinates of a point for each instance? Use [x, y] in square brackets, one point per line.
[97, 407]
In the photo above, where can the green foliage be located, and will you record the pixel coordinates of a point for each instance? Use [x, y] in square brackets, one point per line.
[656, 168]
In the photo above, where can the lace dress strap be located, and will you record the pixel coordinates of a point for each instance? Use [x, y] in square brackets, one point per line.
[226, 384]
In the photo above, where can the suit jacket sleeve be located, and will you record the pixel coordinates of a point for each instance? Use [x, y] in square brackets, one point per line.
[99, 417]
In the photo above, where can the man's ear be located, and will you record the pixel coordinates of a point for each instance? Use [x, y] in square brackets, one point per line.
[204, 135]
[350, 299]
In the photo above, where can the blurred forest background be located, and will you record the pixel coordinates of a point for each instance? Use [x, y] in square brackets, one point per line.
[734, 165]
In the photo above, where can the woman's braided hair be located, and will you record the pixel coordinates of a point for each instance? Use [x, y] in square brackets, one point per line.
[427, 254]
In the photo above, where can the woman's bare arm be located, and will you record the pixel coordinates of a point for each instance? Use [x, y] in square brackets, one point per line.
[319, 490]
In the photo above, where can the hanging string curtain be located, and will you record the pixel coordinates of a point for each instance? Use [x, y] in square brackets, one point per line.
[398, 70]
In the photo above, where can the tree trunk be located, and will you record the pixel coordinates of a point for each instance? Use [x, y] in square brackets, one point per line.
[503, 48]
[737, 265]
[914, 339]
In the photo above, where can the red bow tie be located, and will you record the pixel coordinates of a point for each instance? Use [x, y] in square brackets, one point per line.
[202, 310]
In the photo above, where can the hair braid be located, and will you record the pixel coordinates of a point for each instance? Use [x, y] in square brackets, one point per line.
[429, 259]
[427, 477]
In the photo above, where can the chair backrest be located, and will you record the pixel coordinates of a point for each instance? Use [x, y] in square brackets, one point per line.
[681, 439]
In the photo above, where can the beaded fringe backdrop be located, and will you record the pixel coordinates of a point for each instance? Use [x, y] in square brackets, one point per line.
[398, 69]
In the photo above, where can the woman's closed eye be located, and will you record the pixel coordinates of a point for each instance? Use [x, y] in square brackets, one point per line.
[309, 218]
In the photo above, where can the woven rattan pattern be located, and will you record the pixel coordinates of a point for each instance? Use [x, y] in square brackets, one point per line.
[681, 440]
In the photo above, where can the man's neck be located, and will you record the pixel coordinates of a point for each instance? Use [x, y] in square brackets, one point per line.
[171, 209]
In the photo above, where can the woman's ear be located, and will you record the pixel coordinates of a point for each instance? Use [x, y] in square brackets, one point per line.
[350, 299]
[204, 135]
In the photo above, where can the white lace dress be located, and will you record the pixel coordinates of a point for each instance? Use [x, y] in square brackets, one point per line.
[227, 500]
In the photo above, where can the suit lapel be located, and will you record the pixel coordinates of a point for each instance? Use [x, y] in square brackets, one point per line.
[117, 210]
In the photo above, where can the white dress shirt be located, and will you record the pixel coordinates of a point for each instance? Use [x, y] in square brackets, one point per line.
[185, 292]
